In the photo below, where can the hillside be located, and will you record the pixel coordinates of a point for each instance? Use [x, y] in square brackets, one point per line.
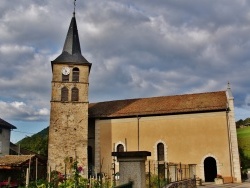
[243, 135]
[37, 143]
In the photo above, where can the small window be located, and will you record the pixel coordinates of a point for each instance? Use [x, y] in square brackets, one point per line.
[120, 148]
[64, 94]
[75, 77]
[65, 78]
[75, 94]
[1, 130]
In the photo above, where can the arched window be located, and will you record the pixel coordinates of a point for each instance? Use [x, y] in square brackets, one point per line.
[64, 94]
[74, 94]
[75, 77]
[120, 148]
[160, 152]
[65, 78]
[160, 157]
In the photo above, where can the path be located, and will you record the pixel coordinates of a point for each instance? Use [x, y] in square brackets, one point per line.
[228, 185]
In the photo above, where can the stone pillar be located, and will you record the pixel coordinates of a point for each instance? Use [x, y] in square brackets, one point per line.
[172, 172]
[132, 167]
[234, 152]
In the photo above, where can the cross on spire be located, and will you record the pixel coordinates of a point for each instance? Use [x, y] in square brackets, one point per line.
[74, 7]
[228, 85]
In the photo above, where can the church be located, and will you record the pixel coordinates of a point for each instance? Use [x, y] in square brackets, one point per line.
[196, 128]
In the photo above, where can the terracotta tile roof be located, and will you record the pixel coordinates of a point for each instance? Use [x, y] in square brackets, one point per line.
[14, 160]
[189, 103]
[6, 125]
[14, 150]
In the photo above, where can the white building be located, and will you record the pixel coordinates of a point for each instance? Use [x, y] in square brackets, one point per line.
[5, 129]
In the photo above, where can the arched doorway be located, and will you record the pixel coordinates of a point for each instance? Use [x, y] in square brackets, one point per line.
[210, 169]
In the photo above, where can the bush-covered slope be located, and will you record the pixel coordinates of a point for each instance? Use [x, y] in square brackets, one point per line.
[243, 135]
[37, 143]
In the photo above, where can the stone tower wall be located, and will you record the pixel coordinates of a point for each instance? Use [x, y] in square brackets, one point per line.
[68, 131]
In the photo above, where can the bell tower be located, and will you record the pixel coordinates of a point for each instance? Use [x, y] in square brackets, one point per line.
[68, 130]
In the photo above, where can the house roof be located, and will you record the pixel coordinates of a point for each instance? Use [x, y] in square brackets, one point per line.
[177, 104]
[15, 160]
[16, 149]
[6, 125]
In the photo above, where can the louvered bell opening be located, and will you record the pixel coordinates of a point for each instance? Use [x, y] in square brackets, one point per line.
[64, 94]
[65, 78]
[75, 77]
[75, 94]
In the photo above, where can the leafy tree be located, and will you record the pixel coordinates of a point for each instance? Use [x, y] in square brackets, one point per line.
[239, 123]
[242, 122]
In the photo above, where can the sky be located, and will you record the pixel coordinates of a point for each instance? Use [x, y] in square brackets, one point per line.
[139, 48]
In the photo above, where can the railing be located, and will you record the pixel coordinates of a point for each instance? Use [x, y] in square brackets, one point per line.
[161, 173]
[127, 185]
[190, 183]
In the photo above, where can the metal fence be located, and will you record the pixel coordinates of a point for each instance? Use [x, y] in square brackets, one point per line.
[189, 183]
[161, 173]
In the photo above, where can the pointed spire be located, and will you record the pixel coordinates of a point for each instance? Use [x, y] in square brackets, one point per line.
[72, 50]
[72, 43]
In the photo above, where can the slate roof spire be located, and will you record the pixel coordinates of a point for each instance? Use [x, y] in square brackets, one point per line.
[71, 52]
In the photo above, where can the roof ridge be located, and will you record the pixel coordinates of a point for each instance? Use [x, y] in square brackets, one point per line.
[162, 96]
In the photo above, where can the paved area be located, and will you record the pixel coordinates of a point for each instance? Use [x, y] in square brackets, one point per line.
[228, 185]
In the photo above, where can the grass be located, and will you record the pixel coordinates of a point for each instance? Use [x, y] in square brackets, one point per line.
[243, 135]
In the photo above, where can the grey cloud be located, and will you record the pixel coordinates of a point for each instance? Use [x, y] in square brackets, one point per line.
[137, 48]
[22, 112]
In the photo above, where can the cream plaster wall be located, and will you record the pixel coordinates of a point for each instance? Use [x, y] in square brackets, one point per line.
[103, 159]
[188, 138]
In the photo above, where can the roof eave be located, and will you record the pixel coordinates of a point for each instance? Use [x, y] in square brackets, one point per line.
[103, 116]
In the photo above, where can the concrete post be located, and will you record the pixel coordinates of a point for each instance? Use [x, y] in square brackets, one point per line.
[132, 167]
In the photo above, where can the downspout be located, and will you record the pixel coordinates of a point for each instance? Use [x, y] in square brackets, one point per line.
[138, 131]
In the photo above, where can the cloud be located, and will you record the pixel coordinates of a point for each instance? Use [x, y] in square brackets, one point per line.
[137, 49]
[22, 112]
